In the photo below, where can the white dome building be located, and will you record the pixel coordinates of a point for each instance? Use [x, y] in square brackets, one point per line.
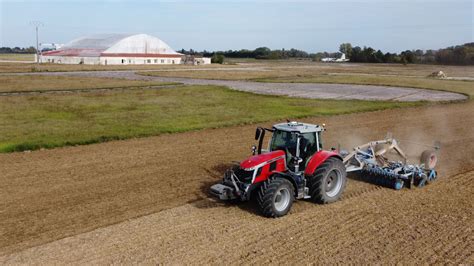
[117, 49]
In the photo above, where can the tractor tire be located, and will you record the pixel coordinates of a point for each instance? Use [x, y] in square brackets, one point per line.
[328, 181]
[275, 197]
[429, 159]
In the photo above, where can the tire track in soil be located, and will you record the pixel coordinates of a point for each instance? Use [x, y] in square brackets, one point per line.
[63, 192]
[389, 234]
[364, 235]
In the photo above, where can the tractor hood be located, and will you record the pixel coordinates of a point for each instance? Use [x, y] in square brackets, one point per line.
[259, 159]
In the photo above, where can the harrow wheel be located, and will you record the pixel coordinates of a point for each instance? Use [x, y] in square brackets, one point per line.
[328, 181]
[429, 159]
[432, 175]
[398, 184]
[421, 182]
[275, 197]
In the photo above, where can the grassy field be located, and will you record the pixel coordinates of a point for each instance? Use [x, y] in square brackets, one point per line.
[278, 69]
[17, 57]
[11, 67]
[50, 83]
[241, 74]
[29, 122]
[396, 75]
[257, 68]
[47, 121]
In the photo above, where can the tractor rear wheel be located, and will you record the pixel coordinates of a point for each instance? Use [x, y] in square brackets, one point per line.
[328, 181]
[275, 197]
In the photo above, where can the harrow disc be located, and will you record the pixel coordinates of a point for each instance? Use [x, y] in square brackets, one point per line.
[421, 182]
[398, 184]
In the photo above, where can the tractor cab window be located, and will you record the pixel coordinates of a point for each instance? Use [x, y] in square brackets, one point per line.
[283, 140]
[308, 145]
[286, 141]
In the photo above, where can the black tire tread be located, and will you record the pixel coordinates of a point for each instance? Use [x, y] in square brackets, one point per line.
[265, 195]
[314, 182]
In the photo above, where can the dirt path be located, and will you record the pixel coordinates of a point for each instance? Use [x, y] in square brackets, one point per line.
[304, 90]
[51, 194]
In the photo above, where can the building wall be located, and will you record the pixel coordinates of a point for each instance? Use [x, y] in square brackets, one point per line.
[74, 60]
[140, 60]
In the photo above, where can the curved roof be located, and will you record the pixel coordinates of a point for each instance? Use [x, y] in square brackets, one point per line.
[98, 41]
[140, 45]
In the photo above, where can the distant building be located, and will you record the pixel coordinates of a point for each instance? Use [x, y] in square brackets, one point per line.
[44, 47]
[335, 60]
[118, 49]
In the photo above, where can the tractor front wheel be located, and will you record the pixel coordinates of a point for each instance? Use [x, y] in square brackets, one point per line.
[328, 181]
[275, 197]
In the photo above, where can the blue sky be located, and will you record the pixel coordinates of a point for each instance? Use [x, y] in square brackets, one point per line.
[222, 25]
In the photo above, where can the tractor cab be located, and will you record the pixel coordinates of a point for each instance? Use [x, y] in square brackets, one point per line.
[299, 141]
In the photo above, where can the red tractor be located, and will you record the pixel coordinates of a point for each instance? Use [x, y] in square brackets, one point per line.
[294, 167]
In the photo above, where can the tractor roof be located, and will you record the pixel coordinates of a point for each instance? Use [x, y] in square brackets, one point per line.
[298, 127]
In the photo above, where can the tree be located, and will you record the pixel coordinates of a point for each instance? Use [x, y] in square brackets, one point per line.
[262, 52]
[217, 59]
[391, 58]
[408, 57]
[379, 56]
[356, 55]
[346, 48]
[276, 54]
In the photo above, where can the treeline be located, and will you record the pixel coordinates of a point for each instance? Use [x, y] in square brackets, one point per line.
[259, 53]
[17, 50]
[456, 55]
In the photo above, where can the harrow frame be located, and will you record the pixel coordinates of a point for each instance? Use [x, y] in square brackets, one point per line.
[369, 160]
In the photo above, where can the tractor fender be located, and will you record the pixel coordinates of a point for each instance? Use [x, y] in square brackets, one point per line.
[273, 174]
[317, 159]
[287, 177]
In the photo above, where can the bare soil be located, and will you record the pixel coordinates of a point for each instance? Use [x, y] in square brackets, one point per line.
[428, 226]
[88, 197]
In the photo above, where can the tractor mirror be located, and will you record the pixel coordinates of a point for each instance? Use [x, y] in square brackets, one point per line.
[258, 132]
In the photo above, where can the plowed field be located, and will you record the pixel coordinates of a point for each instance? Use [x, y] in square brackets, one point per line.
[145, 200]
